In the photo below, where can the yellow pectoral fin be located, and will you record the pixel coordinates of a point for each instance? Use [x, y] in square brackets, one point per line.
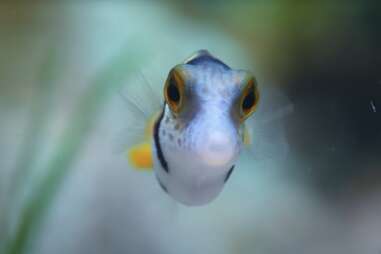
[246, 136]
[140, 156]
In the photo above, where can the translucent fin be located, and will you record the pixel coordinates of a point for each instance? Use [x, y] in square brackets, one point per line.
[140, 156]
[141, 96]
[140, 103]
[267, 125]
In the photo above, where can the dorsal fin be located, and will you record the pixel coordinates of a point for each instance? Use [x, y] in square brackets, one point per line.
[202, 57]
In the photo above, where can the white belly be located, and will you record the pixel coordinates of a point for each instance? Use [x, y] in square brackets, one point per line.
[189, 181]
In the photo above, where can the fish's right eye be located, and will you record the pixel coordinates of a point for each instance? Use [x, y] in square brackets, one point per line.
[174, 91]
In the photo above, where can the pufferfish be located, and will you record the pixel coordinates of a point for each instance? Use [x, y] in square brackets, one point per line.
[195, 139]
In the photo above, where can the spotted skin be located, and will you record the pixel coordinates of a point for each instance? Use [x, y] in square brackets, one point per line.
[195, 150]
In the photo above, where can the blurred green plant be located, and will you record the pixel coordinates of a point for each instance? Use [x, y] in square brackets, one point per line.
[36, 126]
[106, 84]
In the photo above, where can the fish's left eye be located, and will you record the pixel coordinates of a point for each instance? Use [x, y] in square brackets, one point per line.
[174, 90]
[249, 99]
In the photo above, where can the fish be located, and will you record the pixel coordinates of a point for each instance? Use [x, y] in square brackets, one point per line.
[193, 140]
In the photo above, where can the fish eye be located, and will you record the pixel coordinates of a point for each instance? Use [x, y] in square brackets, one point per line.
[249, 99]
[174, 90]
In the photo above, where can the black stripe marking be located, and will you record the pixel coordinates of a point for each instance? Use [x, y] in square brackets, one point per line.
[162, 185]
[229, 173]
[160, 154]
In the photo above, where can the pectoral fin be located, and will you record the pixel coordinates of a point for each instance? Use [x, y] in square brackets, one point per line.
[140, 156]
[247, 136]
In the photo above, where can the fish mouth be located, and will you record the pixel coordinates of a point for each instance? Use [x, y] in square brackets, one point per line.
[217, 149]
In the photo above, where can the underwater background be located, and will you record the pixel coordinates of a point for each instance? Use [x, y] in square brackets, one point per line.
[66, 185]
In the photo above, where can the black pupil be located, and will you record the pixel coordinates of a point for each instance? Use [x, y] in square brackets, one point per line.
[173, 92]
[249, 100]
